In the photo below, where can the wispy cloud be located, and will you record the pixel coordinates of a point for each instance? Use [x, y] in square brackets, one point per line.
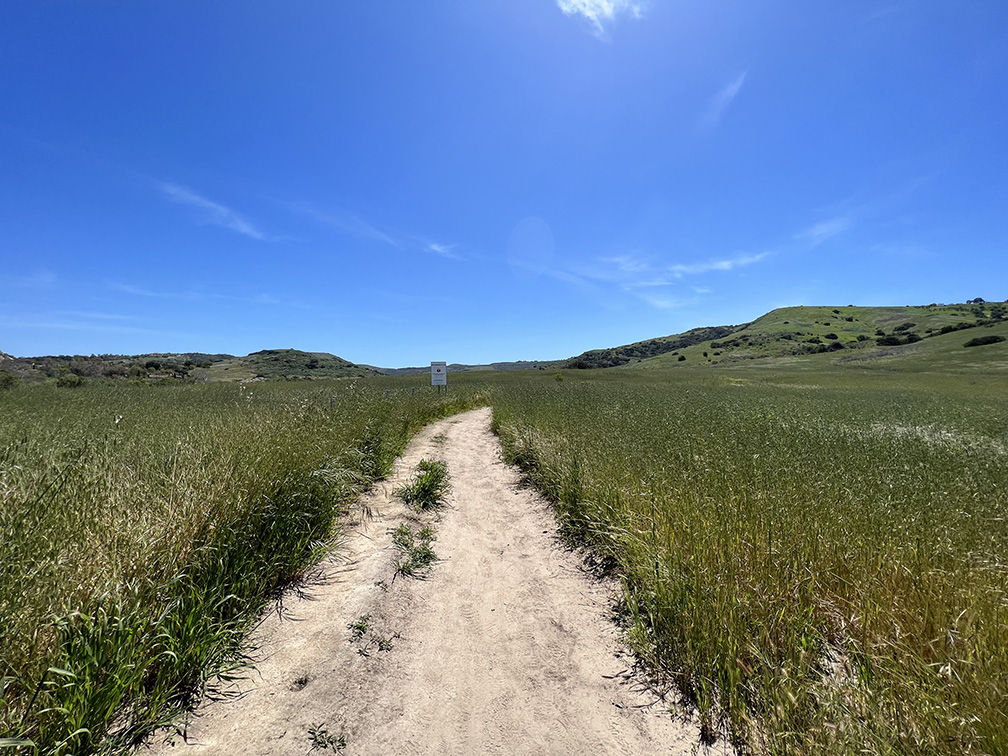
[444, 250]
[666, 302]
[601, 12]
[691, 269]
[66, 324]
[213, 213]
[95, 315]
[347, 223]
[824, 230]
[142, 291]
[719, 103]
[657, 283]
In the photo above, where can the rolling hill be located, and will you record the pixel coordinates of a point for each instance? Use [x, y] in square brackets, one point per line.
[848, 335]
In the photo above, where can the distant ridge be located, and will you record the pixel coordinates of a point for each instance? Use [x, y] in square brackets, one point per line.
[288, 364]
[852, 334]
[457, 367]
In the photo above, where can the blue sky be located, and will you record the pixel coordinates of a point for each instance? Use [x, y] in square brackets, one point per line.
[398, 182]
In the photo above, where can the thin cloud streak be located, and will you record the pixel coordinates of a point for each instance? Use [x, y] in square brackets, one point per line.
[215, 214]
[821, 232]
[347, 223]
[444, 250]
[719, 103]
[140, 291]
[693, 269]
[69, 325]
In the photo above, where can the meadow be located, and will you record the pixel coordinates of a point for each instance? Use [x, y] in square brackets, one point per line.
[818, 562]
[144, 528]
[814, 557]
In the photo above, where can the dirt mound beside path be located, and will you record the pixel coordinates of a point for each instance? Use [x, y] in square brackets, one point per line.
[504, 648]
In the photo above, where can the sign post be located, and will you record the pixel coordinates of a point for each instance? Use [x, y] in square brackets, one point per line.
[439, 375]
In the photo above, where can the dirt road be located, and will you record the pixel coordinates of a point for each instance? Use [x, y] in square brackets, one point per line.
[504, 648]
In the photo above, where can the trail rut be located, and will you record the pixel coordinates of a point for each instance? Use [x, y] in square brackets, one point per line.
[504, 648]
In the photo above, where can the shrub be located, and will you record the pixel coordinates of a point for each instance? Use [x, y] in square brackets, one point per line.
[982, 340]
[832, 336]
[7, 380]
[69, 380]
[428, 488]
[905, 327]
[682, 357]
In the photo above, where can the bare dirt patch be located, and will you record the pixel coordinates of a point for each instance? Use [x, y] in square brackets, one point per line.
[506, 647]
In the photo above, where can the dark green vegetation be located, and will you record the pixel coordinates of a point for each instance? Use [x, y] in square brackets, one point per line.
[143, 528]
[287, 363]
[428, 488]
[603, 358]
[71, 371]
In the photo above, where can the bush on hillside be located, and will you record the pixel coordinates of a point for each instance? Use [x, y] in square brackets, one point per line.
[982, 340]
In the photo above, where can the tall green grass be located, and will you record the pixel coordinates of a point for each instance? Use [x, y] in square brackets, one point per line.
[142, 530]
[818, 562]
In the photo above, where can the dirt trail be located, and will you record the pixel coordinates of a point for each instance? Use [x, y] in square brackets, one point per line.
[505, 648]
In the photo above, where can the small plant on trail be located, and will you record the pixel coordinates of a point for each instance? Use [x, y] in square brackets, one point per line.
[417, 554]
[323, 740]
[359, 627]
[428, 488]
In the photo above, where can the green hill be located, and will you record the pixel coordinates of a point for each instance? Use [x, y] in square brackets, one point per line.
[287, 363]
[845, 334]
[651, 348]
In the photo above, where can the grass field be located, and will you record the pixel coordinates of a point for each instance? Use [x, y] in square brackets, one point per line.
[143, 528]
[816, 560]
[814, 553]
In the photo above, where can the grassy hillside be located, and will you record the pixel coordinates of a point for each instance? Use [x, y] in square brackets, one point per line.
[651, 348]
[287, 363]
[189, 367]
[847, 334]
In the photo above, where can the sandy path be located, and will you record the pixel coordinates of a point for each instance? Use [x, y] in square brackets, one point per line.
[505, 648]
